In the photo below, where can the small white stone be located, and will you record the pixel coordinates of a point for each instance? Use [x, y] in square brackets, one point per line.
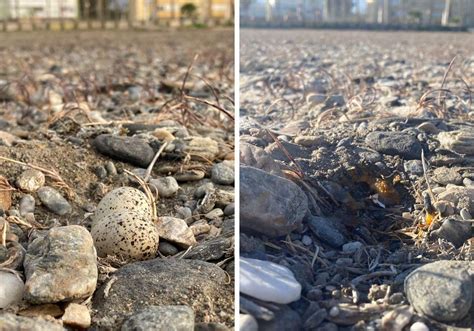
[11, 289]
[247, 323]
[306, 240]
[268, 281]
[419, 326]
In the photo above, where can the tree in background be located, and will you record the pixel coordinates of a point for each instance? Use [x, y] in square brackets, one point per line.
[189, 10]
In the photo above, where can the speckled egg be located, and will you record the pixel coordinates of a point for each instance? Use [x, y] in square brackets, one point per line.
[127, 234]
[123, 199]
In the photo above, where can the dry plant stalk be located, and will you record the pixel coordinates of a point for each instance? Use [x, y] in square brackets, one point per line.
[53, 174]
[148, 194]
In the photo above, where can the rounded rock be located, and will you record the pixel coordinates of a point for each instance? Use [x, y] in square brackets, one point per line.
[121, 200]
[30, 180]
[441, 290]
[11, 289]
[166, 186]
[128, 234]
[222, 174]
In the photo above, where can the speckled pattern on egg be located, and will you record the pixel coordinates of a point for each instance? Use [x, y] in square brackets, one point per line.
[126, 234]
[123, 199]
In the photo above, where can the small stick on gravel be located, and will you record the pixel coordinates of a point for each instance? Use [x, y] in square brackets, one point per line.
[366, 277]
[150, 167]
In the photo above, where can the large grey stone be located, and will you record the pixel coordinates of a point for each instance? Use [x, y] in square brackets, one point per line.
[164, 318]
[442, 290]
[269, 204]
[61, 266]
[160, 282]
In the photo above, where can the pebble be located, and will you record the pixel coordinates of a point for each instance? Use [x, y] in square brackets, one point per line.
[30, 180]
[167, 249]
[100, 172]
[222, 173]
[127, 149]
[54, 201]
[11, 289]
[414, 167]
[325, 230]
[159, 282]
[468, 182]
[77, 316]
[210, 327]
[176, 231]
[179, 318]
[428, 127]
[419, 326]
[229, 210]
[455, 194]
[269, 204]
[200, 227]
[352, 247]
[64, 255]
[166, 186]
[110, 167]
[247, 323]
[128, 234]
[306, 240]
[214, 214]
[7, 139]
[189, 175]
[185, 213]
[202, 148]
[27, 204]
[285, 319]
[395, 143]
[454, 231]
[268, 281]
[441, 290]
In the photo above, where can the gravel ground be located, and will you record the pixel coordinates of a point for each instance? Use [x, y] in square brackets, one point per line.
[357, 176]
[117, 183]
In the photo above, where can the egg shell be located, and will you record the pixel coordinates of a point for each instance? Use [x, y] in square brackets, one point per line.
[123, 199]
[127, 234]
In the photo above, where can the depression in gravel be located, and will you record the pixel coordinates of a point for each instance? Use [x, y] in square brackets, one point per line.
[357, 165]
[116, 166]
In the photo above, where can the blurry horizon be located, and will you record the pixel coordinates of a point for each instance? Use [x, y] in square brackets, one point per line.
[448, 13]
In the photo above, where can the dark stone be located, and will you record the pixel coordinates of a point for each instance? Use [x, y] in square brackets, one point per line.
[395, 143]
[327, 231]
[456, 232]
[285, 319]
[127, 149]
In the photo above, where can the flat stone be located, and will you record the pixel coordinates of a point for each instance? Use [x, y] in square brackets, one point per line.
[7, 139]
[54, 201]
[30, 180]
[167, 249]
[66, 256]
[161, 282]
[445, 176]
[222, 173]
[270, 205]
[395, 143]
[442, 290]
[190, 175]
[296, 151]
[460, 141]
[166, 186]
[127, 149]
[77, 315]
[200, 148]
[268, 281]
[326, 231]
[176, 231]
[9, 322]
[154, 318]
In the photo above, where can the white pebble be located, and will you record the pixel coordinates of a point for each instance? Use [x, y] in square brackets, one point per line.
[419, 326]
[11, 289]
[268, 281]
[248, 323]
[334, 311]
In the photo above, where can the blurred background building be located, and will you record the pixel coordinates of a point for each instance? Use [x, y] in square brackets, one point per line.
[138, 11]
[422, 12]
